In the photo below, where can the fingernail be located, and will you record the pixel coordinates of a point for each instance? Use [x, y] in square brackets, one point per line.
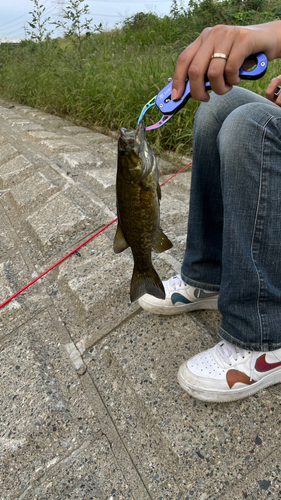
[174, 94]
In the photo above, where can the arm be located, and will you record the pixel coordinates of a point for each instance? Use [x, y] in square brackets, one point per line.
[237, 43]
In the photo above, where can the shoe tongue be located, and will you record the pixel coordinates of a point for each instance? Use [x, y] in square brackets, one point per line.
[174, 281]
[228, 351]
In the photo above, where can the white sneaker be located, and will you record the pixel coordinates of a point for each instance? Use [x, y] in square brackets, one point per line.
[180, 298]
[227, 373]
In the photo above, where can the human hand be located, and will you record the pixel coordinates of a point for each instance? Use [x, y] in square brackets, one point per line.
[236, 43]
[275, 82]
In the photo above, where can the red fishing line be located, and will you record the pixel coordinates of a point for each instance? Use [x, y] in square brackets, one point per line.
[75, 250]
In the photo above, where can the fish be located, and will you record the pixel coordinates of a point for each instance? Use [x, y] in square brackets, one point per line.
[138, 196]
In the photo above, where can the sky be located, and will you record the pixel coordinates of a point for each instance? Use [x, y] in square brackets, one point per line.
[15, 13]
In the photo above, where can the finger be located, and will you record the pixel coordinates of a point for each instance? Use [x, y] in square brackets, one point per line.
[216, 76]
[182, 69]
[197, 72]
[237, 56]
[213, 66]
[271, 92]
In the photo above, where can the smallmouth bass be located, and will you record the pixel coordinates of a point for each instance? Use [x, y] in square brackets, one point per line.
[138, 195]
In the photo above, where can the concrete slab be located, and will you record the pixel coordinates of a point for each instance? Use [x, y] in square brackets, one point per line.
[38, 135]
[18, 121]
[262, 483]
[210, 319]
[81, 476]
[73, 129]
[14, 275]
[7, 243]
[103, 143]
[104, 148]
[7, 152]
[178, 187]
[9, 115]
[23, 109]
[52, 119]
[25, 125]
[57, 220]
[36, 187]
[59, 145]
[15, 170]
[103, 180]
[45, 417]
[81, 161]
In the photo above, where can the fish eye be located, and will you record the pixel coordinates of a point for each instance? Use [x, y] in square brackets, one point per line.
[122, 151]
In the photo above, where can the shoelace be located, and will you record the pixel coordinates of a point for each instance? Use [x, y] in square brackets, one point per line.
[228, 351]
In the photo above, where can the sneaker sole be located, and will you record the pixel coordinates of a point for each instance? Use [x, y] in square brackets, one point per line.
[215, 396]
[180, 308]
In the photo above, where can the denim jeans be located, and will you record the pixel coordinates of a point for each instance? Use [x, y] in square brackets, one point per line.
[234, 229]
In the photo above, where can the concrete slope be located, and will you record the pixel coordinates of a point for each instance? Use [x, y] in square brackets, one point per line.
[90, 406]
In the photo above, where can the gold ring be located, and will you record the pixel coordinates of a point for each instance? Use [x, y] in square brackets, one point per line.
[219, 55]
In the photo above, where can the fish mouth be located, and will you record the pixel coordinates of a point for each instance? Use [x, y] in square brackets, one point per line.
[127, 135]
[126, 141]
[140, 132]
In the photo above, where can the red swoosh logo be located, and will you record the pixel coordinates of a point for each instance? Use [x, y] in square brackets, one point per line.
[263, 366]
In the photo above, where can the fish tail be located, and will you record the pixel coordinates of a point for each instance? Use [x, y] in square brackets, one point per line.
[146, 282]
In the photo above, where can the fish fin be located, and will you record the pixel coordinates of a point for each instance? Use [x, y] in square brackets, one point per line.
[159, 191]
[120, 243]
[148, 282]
[162, 243]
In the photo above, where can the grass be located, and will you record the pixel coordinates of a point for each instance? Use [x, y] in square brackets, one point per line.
[118, 73]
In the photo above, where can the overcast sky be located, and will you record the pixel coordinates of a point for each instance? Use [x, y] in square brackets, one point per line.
[15, 13]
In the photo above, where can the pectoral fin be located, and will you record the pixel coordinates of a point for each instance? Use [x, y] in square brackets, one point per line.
[159, 191]
[162, 242]
[120, 243]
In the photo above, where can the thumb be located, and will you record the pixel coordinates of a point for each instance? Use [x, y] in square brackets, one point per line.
[177, 88]
[181, 71]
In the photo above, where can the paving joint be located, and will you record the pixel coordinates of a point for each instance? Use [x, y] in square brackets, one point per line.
[54, 466]
[111, 432]
[85, 345]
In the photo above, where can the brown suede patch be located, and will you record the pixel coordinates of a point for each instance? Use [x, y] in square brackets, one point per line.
[234, 376]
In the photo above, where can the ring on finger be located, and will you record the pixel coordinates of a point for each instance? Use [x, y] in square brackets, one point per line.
[219, 55]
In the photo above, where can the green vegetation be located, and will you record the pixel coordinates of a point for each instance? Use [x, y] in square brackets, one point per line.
[37, 28]
[104, 78]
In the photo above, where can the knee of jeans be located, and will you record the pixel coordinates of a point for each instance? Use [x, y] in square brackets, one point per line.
[239, 129]
[206, 113]
[210, 115]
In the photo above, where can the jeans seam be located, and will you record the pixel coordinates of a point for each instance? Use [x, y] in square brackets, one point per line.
[254, 231]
